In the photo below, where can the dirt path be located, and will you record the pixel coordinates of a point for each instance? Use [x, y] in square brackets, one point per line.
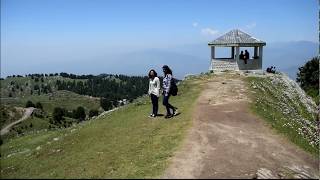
[228, 141]
[27, 113]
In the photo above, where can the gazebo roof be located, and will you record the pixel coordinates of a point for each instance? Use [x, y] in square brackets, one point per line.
[236, 38]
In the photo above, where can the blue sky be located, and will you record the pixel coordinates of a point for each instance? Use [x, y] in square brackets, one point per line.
[69, 30]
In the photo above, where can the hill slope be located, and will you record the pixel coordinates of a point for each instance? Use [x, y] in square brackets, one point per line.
[69, 92]
[288, 109]
[122, 144]
[228, 140]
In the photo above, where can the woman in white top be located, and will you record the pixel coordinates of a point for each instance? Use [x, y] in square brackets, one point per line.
[154, 91]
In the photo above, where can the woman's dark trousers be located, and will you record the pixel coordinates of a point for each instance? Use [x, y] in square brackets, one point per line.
[154, 100]
[167, 104]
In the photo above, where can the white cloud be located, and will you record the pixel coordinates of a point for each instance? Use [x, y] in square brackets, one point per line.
[209, 31]
[195, 24]
[252, 25]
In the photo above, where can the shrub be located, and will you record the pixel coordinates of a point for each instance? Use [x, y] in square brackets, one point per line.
[80, 113]
[38, 105]
[29, 104]
[105, 104]
[36, 87]
[58, 114]
[308, 78]
[93, 112]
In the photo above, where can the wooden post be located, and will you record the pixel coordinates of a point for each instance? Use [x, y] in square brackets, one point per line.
[212, 52]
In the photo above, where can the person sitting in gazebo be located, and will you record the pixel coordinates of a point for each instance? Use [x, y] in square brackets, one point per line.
[246, 56]
[241, 56]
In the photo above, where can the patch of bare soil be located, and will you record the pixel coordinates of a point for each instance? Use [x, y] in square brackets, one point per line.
[228, 141]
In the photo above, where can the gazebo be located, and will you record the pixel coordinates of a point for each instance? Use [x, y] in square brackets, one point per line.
[236, 39]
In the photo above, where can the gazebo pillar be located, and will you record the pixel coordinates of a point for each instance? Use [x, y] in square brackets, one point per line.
[260, 56]
[255, 51]
[212, 52]
[232, 52]
[237, 54]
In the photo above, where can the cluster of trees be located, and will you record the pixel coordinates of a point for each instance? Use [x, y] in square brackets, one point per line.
[14, 88]
[21, 129]
[38, 105]
[74, 76]
[110, 88]
[59, 114]
[63, 74]
[38, 88]
[79, 114]
[34, 75]
[14, 76]
[43, 88]
[308, 78]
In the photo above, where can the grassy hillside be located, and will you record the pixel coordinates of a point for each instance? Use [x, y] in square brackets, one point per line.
[65, 99]
[49, 100]
[16, 91]
[9, 114]
[23, 85]
[122, 144]
[285, 106]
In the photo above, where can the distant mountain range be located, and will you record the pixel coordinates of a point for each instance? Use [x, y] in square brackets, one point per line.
[289, 56]
[185, 59]
[195, 58]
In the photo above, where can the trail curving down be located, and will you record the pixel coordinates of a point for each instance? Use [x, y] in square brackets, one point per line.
[27, 113]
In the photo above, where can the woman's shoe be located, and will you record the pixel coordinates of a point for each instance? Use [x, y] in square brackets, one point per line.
[175, 111]
[168, 116]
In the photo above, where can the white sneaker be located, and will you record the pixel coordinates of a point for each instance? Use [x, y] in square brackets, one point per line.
[176, 112]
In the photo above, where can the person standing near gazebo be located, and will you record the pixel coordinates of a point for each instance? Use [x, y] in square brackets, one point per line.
[241, 56]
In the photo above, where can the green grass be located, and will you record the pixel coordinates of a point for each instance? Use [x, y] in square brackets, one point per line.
[266, 104]
[123, 144]
[29, 125]
[314, 93]
[21, 81]
[65, 99]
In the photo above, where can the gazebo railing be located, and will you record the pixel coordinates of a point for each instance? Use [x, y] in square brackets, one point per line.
[221, 64]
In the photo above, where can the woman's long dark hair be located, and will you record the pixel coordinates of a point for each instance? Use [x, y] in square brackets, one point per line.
[154, 73]
[166, 70]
